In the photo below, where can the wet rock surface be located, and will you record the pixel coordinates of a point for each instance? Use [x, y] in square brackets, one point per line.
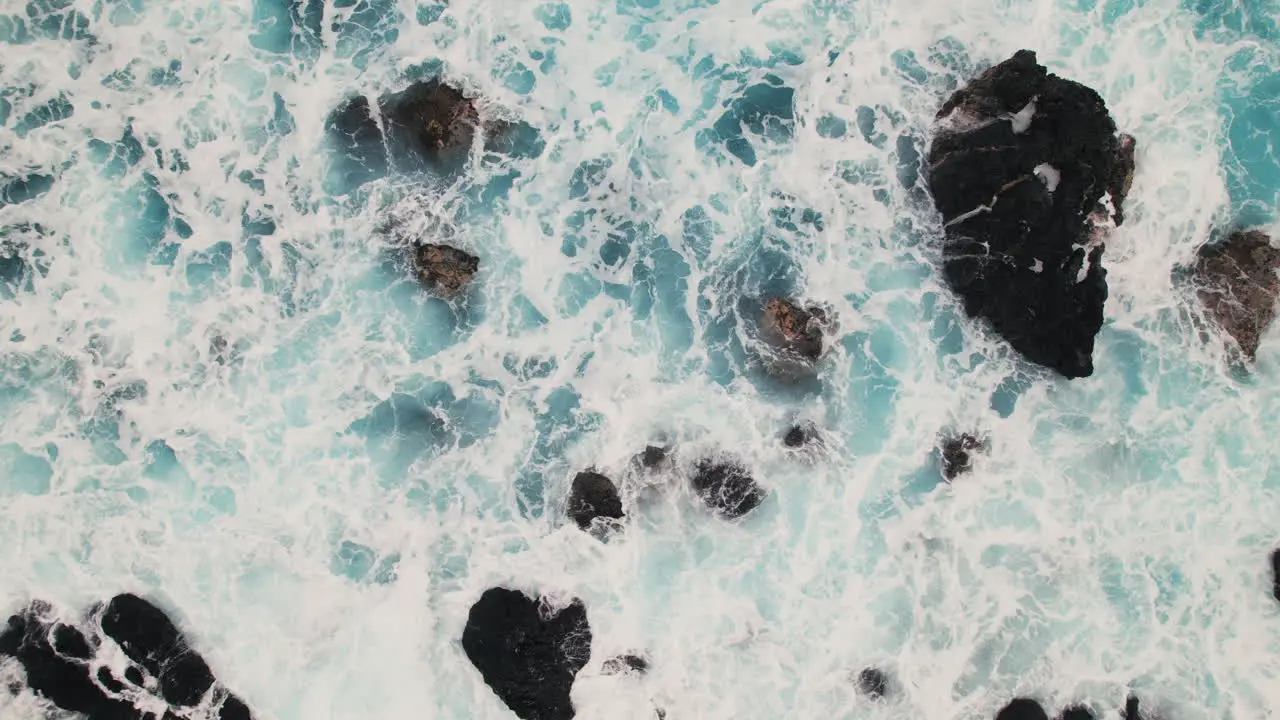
[528, 659]
[1022, 169]
[956, 454]
[625, 665]
[1022, 709]
[800, 435]
[727, 488]
[444, 270]
[57, 659]
[873, 683]
[794, 328]
[428, 123]
[652, 457]
[1238, 282]
[592, 496]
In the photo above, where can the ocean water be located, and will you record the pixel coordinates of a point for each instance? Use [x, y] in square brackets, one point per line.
[219, 387]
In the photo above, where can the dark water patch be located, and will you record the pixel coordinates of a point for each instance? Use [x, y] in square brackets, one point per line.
[765, 111]
[362, 564]
[116, 158]
[1249, 104]
[411, 426]
[46, 20]
[364, 28]
[51, 111]
[150, 230]
[290, 27]
[554, 16]
[1228, 21]
[21, 189]
[559, 422]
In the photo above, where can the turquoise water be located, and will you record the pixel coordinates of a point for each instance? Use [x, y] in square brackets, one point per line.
[222, 389]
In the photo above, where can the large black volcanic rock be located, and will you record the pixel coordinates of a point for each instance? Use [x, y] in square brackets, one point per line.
[150, 639]
[527, 659]
[593, 496]
[1028, 174]
[57, 658]
[1238, 283]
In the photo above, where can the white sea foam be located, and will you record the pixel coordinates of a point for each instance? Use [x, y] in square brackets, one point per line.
[1114, 534]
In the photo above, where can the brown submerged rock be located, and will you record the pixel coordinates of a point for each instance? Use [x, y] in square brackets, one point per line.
[444, 270]
[794, 328]
[1238, 284]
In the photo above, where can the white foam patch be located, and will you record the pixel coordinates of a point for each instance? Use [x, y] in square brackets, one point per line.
[1115, 536]
[1049, 175]
[1021, 120]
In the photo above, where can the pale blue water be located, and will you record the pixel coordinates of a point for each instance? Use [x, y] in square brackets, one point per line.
[219, 387]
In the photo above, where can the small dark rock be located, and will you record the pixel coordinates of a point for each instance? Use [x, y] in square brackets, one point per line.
[625, 665]
[134, 675]
[800, 435]
[149, 638]
[1131, 710]
[873, 683]
[1275, 574]
[653, 456]
[1238, 285]
[794, 328]
[528, 660]
[956, 454]
[727, 488]
[1076, 712]
[444, 270]
[1022, 709]
[593, 496]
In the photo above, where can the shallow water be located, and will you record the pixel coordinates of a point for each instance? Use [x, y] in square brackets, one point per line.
[220, 387]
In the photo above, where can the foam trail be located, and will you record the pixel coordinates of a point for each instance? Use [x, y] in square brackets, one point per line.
[221, 390]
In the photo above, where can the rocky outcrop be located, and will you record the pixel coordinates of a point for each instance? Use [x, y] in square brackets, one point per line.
[592, 496]
[1022, 709]
[727, 488]
[429, 122]
[58, 657]
[800, 435]
[793, 328]
[873, 683]
[1076, 712]
[625, 665]
[529, 660]
[1027, 172]
[956, 454]
[652, 457]
[444, 270]
[1238, 282]
[1275, 574]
